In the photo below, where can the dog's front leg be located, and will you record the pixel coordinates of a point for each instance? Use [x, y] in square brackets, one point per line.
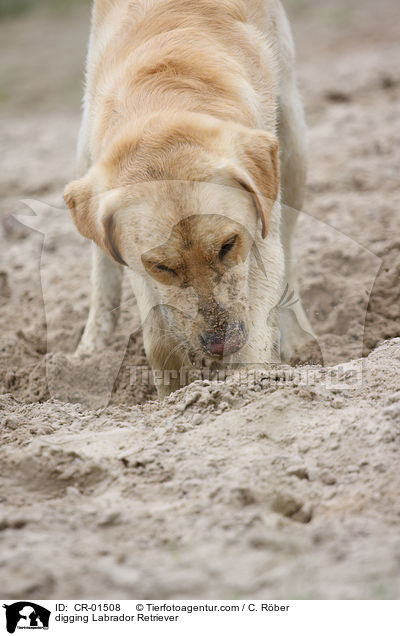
[104, 304]
[163, 352]
[164, 357]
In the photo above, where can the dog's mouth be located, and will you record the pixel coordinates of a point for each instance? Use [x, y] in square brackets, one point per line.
[209, 349]
[226, 348]
[219, 345]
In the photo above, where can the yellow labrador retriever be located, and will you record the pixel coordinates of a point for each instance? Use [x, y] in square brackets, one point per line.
[192, 135]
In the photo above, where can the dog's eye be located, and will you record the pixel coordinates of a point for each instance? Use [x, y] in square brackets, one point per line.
[227, 246]
[164, 268]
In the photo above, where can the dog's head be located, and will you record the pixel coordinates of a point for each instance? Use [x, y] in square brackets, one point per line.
[182, 200]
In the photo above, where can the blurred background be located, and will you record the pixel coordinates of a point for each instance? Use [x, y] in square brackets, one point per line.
[43, 43]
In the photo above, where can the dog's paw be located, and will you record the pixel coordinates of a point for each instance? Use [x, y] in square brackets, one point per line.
[88, 347]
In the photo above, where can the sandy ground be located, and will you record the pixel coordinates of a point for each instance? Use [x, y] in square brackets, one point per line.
[265, 489]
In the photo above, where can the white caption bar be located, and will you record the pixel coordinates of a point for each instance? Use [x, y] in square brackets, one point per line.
[199, 617]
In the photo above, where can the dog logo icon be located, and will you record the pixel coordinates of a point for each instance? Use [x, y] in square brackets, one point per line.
[26, 615]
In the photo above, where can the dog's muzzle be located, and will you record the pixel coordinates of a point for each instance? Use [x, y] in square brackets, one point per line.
[226, 342]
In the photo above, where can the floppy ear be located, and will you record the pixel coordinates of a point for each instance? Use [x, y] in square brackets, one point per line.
[256, 168]
[89, 216]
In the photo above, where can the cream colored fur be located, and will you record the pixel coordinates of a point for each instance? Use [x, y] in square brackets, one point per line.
[178, 152]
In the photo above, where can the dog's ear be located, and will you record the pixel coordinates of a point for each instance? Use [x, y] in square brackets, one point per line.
[90, 216]
[255, 166]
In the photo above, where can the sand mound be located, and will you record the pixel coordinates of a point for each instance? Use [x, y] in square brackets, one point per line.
[223, 490]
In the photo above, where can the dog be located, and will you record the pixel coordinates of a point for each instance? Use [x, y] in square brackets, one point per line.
[192, 138]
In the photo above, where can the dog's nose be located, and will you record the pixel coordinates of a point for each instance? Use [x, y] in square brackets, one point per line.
[220, 343]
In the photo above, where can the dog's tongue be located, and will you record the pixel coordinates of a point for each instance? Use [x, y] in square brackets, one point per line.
[225, 348]
[217, 348]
